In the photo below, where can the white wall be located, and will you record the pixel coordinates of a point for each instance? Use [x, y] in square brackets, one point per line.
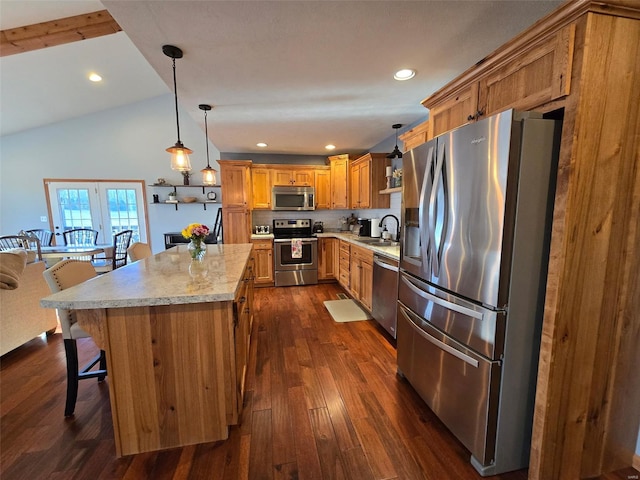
[124, 143]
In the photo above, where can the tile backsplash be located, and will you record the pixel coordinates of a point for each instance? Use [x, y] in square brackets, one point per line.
[331, 218]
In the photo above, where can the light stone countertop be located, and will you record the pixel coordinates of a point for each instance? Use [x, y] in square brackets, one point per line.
[167, 278]
[392, 252]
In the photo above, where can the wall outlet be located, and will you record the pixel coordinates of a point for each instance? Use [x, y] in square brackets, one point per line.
[44, 219]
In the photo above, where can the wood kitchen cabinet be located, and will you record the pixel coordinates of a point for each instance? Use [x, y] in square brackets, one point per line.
[579, 64]
[243, 322]
[344, 264]
[296, 176]
[263, 254]
[367, 178]
[541, 73]
[416, 136]
[236, 200]
[322, 183]
[236, 183]
[236, 225]
[361, 275]
[261, 188]
[328, 258]
[339, 165]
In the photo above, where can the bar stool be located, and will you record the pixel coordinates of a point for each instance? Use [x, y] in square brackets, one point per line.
[63, 275]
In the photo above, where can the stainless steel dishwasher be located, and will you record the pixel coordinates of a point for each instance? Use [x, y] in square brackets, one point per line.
[385, 293]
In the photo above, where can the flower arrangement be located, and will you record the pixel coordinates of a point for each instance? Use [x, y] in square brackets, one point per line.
[196, 232]
[397, 177]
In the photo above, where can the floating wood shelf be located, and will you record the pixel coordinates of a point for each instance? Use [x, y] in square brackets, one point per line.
[390, 190]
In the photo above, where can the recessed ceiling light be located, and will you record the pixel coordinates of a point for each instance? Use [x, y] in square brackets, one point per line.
[330, 147]
[404, 74]
[94, 77]
[261, 144]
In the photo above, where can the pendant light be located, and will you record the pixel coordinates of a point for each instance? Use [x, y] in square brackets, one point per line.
[396, 152]
[208, 173]
[179, 153]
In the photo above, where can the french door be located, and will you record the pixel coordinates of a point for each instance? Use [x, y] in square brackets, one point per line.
[108, 207]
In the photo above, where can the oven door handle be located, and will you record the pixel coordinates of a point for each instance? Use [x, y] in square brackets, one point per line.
[288, 240]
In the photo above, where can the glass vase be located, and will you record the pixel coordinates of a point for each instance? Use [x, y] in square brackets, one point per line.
[197, 249]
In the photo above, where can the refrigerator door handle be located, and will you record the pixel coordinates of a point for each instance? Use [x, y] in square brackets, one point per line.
[441, 301]
[441, 345]
[425, 243]
[435, 263]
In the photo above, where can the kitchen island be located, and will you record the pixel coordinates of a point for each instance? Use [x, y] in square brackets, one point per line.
[176, 335]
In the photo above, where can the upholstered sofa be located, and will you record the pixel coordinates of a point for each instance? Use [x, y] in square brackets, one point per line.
[21, 316]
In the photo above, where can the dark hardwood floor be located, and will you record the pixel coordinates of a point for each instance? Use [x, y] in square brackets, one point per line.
[323, 401]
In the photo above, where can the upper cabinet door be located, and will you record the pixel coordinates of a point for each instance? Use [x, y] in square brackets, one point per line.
[455, 110]
[236, 185]
[261, 182]
[322, 183]
[339, 181]
[538, 76]
[303, 178]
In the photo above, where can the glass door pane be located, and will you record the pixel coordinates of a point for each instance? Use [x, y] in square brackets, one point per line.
[123, 209]
[108, 207]
[74, 205]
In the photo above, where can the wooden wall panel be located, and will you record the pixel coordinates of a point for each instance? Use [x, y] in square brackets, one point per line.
[589, 304]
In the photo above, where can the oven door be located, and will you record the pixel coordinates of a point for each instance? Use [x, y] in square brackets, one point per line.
[296, 263]
[289, 257]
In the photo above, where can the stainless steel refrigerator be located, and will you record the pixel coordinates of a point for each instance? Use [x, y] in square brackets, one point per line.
[477, 204]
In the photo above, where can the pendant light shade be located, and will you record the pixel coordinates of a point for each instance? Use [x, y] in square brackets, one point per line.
[208, 173]
[179, 153]
[396, 151]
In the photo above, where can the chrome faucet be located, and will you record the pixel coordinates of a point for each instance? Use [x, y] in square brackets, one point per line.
[397, 225]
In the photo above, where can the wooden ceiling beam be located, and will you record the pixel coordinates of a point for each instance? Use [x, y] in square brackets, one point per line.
[57, 32]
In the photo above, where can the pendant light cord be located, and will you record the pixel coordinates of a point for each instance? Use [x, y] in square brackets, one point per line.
[175, 94]
[206, 136]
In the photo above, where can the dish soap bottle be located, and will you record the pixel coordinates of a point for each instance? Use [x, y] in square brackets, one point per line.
[385, 233]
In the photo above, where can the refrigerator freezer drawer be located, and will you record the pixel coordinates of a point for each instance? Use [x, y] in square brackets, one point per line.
[470, 324]
[460, 386]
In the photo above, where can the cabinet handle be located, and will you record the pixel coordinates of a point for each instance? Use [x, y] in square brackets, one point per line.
[242, 299]
[476, 116]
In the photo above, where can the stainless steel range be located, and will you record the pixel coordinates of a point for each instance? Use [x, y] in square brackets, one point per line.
[296, 253]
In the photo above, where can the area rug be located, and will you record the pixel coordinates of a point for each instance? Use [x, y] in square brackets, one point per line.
[346, 311]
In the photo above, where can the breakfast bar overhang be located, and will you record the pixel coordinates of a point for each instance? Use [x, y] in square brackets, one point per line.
[176, 335]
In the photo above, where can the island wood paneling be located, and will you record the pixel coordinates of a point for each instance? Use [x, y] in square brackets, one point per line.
[169, 368]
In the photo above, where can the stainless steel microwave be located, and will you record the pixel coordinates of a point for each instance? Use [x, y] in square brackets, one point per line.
[293, 198]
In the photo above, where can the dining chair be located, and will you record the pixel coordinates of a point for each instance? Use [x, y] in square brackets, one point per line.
[80, 236]
[63, 275]
[121, 241]
[45, 236]
[28, 242]
[138, 251]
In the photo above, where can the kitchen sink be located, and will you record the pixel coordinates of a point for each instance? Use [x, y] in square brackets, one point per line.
[378, 242]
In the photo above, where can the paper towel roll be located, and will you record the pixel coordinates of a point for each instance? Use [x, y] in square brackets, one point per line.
[375, 227]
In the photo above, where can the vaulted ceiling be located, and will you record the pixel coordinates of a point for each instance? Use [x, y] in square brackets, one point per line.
[294, 74]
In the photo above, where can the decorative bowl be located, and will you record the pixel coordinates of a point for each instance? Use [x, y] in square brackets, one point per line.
[189, 199]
